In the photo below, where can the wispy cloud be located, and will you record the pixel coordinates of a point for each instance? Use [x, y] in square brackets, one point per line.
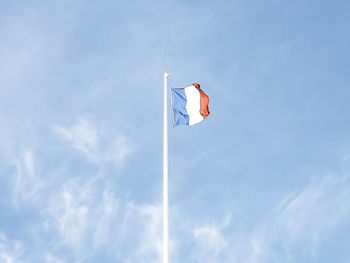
[89, 217]
[10, 251]
[52, 259]
[69, 208]
[209, 242]
[27, 183]
[82, 215]
[85, 214]
[313, 213]
[149, 236]
[298, 225]
[303, 220]
[85, 137]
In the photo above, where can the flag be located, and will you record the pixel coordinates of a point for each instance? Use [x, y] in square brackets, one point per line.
[189, 105]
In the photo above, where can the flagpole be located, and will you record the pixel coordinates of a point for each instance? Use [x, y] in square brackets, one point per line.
[165, 169]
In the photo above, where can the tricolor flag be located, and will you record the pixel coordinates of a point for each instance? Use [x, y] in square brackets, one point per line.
[190, 105]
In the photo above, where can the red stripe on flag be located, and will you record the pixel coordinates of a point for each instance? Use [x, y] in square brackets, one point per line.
[204, 101]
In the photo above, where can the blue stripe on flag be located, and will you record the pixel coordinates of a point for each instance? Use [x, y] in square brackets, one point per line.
[179, 107]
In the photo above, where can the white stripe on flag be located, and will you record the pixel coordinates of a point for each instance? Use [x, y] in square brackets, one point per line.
[193, 105]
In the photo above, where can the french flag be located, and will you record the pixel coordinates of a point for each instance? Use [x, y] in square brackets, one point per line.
[190, 105]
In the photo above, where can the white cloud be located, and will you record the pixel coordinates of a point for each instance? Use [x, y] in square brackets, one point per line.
[109, 209]
[27, 184]
[70, 210]
[300, 224]
[10, 252]
[84, 214]
[316, 210]
[80, 214]
[120, 148]
[149, 218]
[52, 259]
[83, 136]
[90, 218]
[87, 138]
[209, 241]
[303, 220]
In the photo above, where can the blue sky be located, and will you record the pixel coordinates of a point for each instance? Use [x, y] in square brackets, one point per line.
[265, 178]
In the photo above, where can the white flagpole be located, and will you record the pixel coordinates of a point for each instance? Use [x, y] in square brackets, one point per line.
[165, 170]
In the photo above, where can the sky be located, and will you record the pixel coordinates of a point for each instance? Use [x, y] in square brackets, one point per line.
[265, 178]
